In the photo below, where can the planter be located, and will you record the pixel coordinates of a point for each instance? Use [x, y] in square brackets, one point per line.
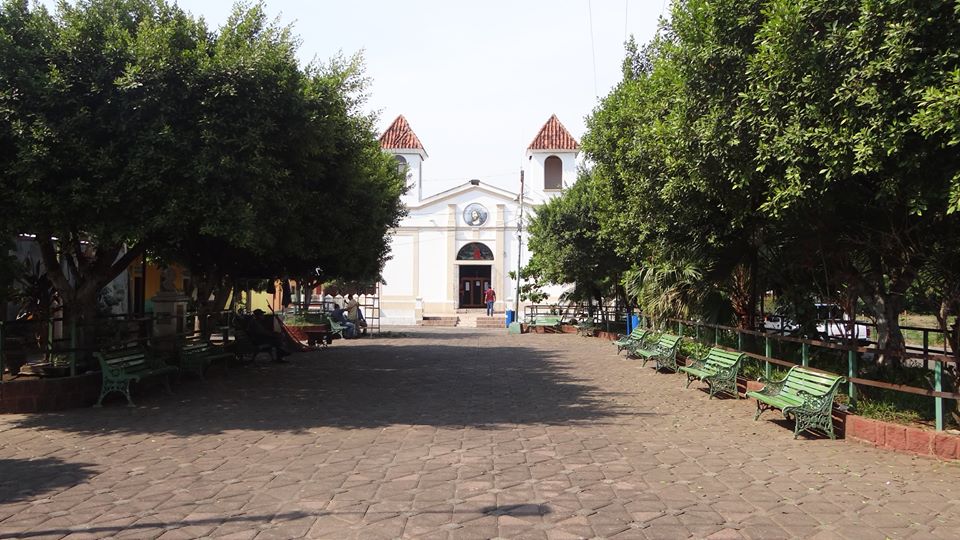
[302, 333]
[900, 438]
[42, 395]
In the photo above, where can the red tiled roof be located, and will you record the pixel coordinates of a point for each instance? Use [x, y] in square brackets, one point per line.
[553, 136]
[400, 136]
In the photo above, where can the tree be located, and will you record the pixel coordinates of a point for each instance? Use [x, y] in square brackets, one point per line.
[136, 131]
[847, 95]
[683, 190]
[304, 174]
[98, 104]
[567, 245]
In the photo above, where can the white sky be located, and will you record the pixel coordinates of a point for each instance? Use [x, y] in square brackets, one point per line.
[476, 80]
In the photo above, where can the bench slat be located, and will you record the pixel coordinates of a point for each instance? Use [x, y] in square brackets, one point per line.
[718, 368]
[809, 412]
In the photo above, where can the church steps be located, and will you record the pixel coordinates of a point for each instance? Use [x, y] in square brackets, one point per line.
[442, 321]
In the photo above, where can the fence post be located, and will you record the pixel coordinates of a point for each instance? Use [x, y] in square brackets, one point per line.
[679, 328]
[805, 354]
[73, 347]
[739, 341]
[938, 386]
[49, 338]
[716, 335]
[697, 331]
[851, 373]
[926, 349]
[768, 352]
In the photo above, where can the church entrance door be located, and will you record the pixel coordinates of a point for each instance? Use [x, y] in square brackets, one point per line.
[474, 279]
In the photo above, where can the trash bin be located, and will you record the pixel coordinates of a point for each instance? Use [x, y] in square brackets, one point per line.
[634, 322]
[511, 315]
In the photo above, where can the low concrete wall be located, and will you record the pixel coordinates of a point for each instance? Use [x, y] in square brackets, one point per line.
[54, 394]
[904, 439]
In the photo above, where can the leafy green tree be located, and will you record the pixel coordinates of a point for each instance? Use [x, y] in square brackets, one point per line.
[847, 95]
[134, 130]
[96, 110]
[304, 177]
[567, 245]
[683, 190]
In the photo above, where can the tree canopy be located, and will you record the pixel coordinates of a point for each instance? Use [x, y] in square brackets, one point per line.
[130, 128]
[805, 147]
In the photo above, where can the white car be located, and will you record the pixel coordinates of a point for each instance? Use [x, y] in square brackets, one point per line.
[832, 323]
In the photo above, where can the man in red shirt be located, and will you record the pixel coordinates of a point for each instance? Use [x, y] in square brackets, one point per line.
[489, 297]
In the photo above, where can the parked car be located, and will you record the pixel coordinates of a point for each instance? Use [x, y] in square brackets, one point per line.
[832, 324]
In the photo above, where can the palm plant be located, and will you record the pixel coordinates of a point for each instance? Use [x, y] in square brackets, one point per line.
[668, 288]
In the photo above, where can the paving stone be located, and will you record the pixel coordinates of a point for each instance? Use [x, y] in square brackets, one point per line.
[456, 433]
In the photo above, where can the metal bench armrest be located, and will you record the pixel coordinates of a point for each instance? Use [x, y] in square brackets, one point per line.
[771, 387]
[814, 403]
[698, 363]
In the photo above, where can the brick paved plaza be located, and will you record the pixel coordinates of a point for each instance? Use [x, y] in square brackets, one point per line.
[456, 433]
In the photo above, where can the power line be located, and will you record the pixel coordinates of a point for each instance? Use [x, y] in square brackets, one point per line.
[593, 50]
[626, 17]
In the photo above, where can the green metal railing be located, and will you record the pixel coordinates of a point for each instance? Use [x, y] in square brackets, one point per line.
[852, 349]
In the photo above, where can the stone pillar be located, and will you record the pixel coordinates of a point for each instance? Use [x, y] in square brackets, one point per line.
[169, 311]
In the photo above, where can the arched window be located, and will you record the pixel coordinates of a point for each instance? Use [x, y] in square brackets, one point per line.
[401, 163]
[475, 251]
[552, 173]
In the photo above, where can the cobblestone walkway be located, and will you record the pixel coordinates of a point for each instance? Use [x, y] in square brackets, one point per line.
[453, 434]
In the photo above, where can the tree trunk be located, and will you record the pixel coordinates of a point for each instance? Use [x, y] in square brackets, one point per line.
[886, 309]
[78, 272]
[213, 292]
[308, 287]
[742, 292]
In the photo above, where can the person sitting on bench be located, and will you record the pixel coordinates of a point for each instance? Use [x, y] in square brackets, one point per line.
[261, 332]
[339, 316]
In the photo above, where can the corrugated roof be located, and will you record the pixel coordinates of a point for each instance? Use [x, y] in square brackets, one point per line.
[553, 136]
[400, 136]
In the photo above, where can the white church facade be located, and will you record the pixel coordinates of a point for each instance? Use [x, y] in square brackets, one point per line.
[455, 244]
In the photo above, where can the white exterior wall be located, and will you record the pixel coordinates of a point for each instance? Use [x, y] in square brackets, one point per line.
[534, 170]
[422, 275]
[414, 176]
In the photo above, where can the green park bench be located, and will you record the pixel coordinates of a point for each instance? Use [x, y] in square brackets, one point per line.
[718, 368]
[545, 321]
[586, 328]
[631, 340]
[197, 354]
[131, 364]
[804, 393]
[336, 328]
[663, 351]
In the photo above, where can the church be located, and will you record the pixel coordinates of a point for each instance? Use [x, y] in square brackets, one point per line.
[455, 244]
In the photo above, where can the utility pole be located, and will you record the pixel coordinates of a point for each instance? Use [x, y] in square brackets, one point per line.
[519, 246]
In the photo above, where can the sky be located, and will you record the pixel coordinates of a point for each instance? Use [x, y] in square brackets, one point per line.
[475, 80]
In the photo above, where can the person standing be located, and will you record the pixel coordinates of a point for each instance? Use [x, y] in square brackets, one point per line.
[489, 296]
[354, 313]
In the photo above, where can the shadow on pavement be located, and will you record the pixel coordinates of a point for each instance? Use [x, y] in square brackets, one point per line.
[375, 383]
[149, 528]
[24, 479]
[153, 525]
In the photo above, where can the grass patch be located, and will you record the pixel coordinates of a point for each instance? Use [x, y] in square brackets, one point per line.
[305, 319]
[887, 411]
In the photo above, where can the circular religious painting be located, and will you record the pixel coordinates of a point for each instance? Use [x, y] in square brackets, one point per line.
[475, 215]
